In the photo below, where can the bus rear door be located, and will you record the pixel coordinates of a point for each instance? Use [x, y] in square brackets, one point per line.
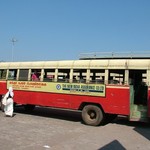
[138, 103]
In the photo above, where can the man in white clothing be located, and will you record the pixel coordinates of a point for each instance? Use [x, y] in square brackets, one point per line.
[8, 103]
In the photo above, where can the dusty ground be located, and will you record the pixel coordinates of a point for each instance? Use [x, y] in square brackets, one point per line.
[58, 129]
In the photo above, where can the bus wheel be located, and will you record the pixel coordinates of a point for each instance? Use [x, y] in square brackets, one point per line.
[92, 115]
[29, 107]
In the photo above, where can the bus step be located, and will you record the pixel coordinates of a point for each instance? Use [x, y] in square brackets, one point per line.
[138, 113]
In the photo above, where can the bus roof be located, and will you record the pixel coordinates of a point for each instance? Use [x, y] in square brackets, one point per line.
[80, 64]
[115, 55]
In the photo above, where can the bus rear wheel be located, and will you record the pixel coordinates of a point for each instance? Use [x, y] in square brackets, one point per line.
[92, 115]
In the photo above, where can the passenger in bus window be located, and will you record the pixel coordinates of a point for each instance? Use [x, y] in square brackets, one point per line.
[8, 103]
[35, 76]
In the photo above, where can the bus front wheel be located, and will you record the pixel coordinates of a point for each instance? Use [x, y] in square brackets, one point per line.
[92, 115]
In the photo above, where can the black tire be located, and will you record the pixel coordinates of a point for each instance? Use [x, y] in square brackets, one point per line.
[92, 115]
[29, 108]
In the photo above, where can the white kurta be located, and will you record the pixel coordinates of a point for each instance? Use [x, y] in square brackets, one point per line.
[9, 107]
[8, 102]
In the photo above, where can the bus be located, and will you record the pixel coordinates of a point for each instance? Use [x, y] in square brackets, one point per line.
[101, 89]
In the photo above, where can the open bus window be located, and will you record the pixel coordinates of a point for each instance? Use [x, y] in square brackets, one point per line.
[61, 78]
[36, 74]
[137, 77]
[23, 74]
[12, 74]
[49, 75]
[100, 81]
[79, 75]
[116, 77]
[97, 76]
[3, 73]
[63, 75]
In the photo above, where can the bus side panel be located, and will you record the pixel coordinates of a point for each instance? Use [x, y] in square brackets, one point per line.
[3, 87]
[42, 99]
[116, 101]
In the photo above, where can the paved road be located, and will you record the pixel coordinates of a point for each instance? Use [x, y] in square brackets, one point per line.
[49, 129]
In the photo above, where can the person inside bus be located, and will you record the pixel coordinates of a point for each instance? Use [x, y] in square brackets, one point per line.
[35, 76]
[9, 103]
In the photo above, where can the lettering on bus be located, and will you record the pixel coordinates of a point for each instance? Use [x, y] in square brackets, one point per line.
[83, 88]
[87, 88]
[25, 85]
[63, 88]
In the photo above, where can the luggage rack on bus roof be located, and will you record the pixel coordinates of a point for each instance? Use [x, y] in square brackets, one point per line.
[115, 55]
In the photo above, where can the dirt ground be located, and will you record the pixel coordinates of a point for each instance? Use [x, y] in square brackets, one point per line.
[45, 129]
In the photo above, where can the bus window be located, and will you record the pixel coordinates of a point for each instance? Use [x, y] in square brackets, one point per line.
[23, 74]
[137, 77]
[116, 76]
[63, 75]
[97, 76]
[49, 74]
[3, 73]
[36, 74]
[79, 75]
[12, 74]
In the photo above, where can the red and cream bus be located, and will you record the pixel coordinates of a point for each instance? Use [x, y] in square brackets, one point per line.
[100, 88]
